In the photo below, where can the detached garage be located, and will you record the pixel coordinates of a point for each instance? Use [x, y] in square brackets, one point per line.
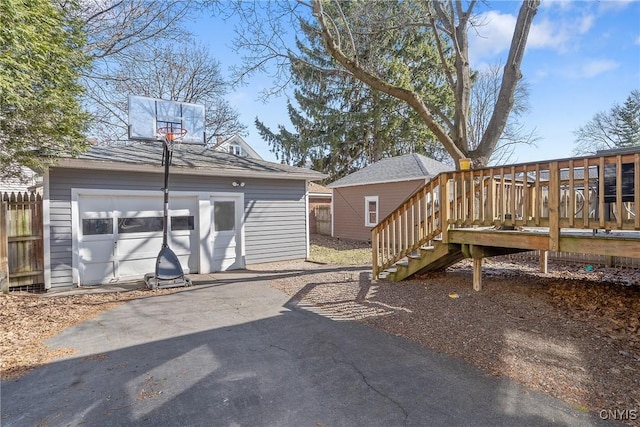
[104, 213]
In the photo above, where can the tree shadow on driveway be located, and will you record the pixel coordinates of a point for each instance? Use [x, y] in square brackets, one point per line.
[242, 354]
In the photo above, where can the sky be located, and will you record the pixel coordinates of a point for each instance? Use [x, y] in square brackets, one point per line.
[582, 58]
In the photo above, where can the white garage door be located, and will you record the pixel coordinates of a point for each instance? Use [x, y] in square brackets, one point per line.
[120, 236]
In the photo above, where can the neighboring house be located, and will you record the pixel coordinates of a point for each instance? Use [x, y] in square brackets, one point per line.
[237, 146]
[319, 209]
[363, 198]
[103, 213]
[32, 182]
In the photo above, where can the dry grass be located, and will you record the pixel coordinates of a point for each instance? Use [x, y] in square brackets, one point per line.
[327, 250]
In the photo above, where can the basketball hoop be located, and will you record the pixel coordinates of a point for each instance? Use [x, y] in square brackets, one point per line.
[172, 135]
[168, 272]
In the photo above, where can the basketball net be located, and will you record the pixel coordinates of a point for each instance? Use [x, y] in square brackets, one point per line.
[172, 136]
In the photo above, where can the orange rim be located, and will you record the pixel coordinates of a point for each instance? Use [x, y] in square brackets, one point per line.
[172, 134]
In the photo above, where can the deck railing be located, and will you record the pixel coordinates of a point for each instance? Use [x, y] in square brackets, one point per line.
[596, 192]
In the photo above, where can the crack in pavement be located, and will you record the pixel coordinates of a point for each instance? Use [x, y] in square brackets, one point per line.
[366, 381]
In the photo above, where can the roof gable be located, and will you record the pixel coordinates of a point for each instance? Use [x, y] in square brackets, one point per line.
[318, 189]
[393, 169]
[237, 140]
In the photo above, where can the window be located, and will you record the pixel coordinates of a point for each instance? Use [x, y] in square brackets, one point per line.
[140, 225]
[92, 227]
[370, 211]
[182, 223]
[224, 214]
[235, 149]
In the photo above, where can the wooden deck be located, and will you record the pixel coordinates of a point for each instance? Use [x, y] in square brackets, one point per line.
[585, 205]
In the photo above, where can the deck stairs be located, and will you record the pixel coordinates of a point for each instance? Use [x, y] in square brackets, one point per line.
[426, 258]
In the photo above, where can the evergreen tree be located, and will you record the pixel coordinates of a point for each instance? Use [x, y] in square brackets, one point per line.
[41, 58]
[617, 128]
[377, 43]
[343, 124]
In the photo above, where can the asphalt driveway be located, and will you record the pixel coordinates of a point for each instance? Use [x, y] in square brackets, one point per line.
[239, 353]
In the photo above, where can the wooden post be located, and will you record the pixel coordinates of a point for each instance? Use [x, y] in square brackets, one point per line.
[554, 207]
[618, 202]
[544, 262]
[537, 208]
[571, 195]
[374, 252]
[445, 194]
[586, 209]
[477, 274]
[477, 254]
[601, 213]
[4, 249]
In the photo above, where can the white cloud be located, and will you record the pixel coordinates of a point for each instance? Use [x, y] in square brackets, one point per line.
[560, 34]
[596, 67]
[614, 5]
[586, 23]
[561, 4]
[492, 35]
[577, 71]
[547, 34]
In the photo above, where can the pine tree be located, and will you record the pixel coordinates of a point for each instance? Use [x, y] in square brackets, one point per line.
[342, 124]
[617, 128]
[40, 63]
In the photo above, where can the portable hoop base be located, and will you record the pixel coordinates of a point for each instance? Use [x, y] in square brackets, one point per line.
[168, 272]
[153, 283]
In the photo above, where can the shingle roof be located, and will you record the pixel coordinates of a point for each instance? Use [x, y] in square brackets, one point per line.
[318, 189]
[187, 158]
[392, 169]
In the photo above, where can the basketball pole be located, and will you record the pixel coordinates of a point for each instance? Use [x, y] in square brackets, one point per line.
[167, 160]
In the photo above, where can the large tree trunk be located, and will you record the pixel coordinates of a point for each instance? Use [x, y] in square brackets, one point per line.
[510, 78]
[451, 21]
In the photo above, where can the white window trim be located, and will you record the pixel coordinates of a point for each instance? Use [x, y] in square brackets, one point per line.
[368, 199]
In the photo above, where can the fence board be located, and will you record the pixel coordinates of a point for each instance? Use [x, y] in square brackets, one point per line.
[4, 249]
[22, 237]
[323, 220]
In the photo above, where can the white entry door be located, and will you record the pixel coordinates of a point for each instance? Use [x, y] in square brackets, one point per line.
[120, 236]
[226, 236]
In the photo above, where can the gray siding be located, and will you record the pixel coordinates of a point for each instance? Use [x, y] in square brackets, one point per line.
[275, 221]
[274, 212]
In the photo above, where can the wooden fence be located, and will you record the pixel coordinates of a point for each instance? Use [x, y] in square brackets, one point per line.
[323, 220]
[21, 241]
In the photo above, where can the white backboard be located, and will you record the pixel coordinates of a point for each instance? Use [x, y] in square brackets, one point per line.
[146, 115]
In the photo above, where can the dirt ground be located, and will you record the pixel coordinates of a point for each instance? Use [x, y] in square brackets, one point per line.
[571, 333]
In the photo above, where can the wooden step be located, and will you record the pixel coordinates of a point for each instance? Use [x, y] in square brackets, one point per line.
[431, 258]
